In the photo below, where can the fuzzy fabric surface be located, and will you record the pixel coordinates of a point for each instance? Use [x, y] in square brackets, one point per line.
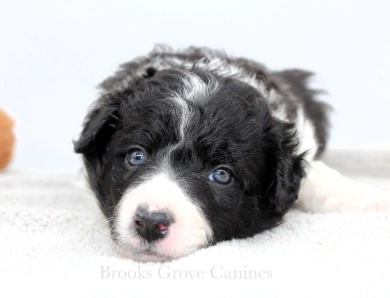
[54, 242]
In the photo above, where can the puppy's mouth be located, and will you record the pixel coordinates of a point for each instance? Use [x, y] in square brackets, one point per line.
[145, 254]
[149, 252]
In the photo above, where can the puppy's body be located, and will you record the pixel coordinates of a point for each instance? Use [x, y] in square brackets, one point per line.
[185, 149]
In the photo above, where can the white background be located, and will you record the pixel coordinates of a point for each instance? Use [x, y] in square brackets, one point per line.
[54, 53]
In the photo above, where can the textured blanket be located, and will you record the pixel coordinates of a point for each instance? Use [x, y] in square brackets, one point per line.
[54, 242]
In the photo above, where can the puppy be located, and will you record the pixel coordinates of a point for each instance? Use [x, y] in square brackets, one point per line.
[188, 148]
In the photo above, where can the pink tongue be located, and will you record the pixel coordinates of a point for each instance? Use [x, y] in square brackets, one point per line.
[162, 227]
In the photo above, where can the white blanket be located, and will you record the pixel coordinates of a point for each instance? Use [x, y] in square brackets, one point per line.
[54, 242]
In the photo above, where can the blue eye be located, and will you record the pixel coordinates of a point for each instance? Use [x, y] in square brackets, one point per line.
[221, 175]
[136, 157]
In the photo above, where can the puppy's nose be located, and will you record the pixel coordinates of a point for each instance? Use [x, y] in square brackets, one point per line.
[152, 225]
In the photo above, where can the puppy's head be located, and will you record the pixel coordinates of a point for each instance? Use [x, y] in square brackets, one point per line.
[183, 159]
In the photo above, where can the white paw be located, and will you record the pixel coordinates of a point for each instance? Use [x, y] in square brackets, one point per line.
[326, 190]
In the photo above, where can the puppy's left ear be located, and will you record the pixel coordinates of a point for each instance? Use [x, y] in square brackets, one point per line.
[287, 167]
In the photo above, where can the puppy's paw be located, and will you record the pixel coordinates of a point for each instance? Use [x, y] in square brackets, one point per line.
[326, 190]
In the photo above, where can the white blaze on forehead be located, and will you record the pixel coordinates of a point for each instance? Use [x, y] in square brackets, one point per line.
[189, 231]
[193, 89]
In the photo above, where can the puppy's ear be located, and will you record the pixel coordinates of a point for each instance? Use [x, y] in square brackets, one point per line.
[99, 125]
[287, 167]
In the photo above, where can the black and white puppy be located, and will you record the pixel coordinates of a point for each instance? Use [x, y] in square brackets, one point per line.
[188, 148]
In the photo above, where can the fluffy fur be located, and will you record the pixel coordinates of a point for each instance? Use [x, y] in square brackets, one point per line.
[192, 112]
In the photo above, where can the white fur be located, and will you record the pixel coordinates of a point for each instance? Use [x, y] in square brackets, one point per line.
[185, 116]
[189, 231]
[280, 112]
[224, 69]
[326, 190]
[306, 135]
[195, 89]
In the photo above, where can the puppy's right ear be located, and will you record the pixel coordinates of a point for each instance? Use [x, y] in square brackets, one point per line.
[99, 126]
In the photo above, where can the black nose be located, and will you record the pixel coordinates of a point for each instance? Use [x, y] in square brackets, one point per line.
[152, 225]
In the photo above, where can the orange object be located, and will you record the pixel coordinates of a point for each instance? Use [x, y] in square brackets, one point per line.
[7, 139]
